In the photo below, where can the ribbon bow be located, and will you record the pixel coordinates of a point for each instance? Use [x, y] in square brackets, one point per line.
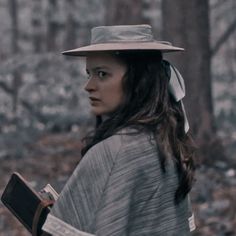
[177, 90]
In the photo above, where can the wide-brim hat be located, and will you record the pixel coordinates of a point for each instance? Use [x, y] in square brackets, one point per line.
[122, 38]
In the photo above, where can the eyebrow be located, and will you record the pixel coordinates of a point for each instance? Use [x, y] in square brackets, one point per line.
[98, 68]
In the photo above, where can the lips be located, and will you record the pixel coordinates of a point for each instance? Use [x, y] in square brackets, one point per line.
[94, 99]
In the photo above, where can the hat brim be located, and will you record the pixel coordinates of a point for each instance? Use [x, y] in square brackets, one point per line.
[141, 46]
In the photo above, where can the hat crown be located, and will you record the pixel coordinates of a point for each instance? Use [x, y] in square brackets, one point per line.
[121, 33]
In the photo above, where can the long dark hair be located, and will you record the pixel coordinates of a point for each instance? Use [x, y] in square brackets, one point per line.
[148, 106]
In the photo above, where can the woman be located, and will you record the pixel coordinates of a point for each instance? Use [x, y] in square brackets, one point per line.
[137, 168]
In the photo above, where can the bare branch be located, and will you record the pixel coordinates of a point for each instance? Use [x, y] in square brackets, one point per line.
[223, 38]
[6, 88]
[216, 5]
[220, 15]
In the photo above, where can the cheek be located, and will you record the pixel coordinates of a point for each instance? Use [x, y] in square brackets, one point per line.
[113, 94]
[117, 92]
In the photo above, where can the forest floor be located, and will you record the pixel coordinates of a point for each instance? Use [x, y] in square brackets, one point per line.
[53, 157]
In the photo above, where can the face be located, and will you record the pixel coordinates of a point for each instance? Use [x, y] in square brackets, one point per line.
[104, 86]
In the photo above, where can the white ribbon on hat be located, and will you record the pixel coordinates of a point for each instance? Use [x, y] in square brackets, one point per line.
[177, 90]
[122, 33]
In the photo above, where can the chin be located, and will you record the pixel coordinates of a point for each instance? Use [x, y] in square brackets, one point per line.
[101, 112]
[97, 112]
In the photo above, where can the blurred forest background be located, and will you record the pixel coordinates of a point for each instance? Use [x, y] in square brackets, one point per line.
[44, 110]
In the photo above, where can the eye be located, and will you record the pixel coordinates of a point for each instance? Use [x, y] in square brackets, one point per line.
[101, 74]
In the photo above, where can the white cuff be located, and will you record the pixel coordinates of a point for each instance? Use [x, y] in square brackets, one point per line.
[58, 227]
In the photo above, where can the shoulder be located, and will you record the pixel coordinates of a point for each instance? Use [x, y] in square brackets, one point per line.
[138, 153]
[128, 149]
[125, 145]
[125, 141]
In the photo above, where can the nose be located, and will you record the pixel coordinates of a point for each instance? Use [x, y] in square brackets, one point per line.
[90, 85]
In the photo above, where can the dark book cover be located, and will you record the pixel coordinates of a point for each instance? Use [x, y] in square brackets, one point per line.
[23, 201]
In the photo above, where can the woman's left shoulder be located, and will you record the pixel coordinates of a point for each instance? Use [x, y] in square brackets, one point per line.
[136, 148]
[125, 146]
[133, 138]
[126, 138]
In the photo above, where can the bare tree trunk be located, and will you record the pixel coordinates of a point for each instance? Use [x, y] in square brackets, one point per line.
[52, 25]
[71, 26]
[124, 12]
[16, 82]
[186, 24]
[13, 9]
[36, 22]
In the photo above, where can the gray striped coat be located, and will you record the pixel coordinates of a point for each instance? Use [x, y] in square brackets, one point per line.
[118, 189]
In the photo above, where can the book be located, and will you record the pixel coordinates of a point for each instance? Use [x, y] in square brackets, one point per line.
[24, 202]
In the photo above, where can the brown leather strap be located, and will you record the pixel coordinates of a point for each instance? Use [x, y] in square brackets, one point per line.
[41, 207]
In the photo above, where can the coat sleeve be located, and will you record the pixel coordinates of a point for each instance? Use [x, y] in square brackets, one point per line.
[108, 191]
[133, 185]
[78, 201]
